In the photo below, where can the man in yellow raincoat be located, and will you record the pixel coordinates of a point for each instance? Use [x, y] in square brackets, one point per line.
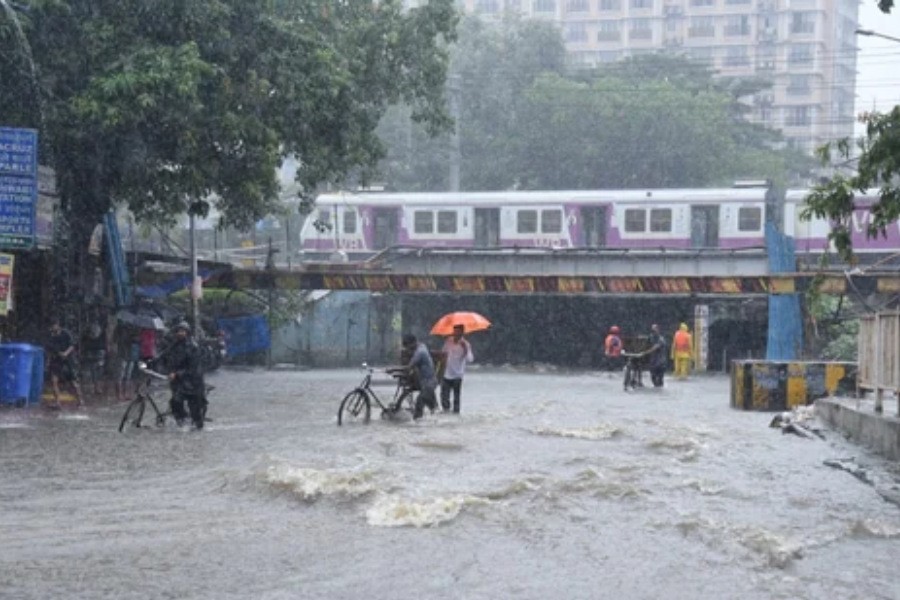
[682, 351]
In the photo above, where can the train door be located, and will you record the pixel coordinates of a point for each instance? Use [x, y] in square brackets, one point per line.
[487, 227]
[386, 227]
[704, 227]
[593, 223]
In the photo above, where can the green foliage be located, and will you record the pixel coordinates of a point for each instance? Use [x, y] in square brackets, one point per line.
[527, 122]
[156, 104]
[878, 167]
[834, 330]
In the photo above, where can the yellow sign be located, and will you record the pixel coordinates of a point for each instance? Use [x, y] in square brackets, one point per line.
[6, 283]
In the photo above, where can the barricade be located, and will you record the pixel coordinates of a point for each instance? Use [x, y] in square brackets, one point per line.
[778, 386]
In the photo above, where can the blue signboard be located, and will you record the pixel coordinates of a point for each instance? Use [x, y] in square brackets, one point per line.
[18, 187]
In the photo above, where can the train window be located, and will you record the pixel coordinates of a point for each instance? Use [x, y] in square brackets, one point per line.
[749, 218]
[423, 221]
[446, 221]
[349, 221]
[635, 220]
[551, 221]
[660, 219]
[324, 215]
[526, 221]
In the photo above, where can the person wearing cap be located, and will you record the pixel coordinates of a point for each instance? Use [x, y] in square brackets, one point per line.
[458, 352]
[612, 349]
[182, 360]
[421, 364]
[657, 357]
[682, 351]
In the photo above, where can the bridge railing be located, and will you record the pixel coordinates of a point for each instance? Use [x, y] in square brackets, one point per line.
[879, 355]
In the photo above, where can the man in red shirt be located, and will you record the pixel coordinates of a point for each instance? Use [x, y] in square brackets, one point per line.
[612, 349]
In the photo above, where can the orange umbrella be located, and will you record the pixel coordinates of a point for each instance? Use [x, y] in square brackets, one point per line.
[472, 321]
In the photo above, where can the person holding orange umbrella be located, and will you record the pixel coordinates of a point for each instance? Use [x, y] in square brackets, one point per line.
[458, 352]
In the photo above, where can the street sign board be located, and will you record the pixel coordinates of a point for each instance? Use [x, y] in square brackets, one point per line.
[18, 187]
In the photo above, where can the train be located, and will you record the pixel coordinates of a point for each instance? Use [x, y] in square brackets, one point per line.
[356, 225]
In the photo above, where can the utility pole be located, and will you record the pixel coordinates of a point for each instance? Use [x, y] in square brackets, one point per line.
[195, 312]
[453, 88]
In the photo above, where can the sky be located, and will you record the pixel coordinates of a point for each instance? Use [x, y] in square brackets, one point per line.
[878, 61]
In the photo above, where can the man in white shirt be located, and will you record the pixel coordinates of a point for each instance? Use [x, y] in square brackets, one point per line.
[458, 352]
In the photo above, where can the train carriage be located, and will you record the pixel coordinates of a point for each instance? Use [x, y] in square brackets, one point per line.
[361, 224]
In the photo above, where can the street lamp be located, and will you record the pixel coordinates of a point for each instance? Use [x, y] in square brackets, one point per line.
[870, 33]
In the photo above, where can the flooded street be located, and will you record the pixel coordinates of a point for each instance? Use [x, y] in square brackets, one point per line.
[547, 486]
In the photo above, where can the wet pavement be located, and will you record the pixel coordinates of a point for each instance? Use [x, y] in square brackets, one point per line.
[548, 485]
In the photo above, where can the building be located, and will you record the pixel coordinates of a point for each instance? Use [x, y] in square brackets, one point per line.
[806, 48]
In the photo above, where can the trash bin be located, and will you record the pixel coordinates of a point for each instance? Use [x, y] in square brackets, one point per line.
[21, 366]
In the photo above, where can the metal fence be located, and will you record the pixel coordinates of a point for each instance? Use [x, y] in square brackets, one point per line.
[879, 355]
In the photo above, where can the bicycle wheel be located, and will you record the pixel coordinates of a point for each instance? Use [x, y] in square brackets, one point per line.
[133, 414]
[355, 408]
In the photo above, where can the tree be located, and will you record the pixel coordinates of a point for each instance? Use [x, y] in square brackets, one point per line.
[877, 166]
[529, 122]
[155, 104]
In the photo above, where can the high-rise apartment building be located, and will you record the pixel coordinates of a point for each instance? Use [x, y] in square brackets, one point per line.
[806, 48]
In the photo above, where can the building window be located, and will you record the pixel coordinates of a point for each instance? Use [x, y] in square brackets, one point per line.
[647, 4]
[798, 116]
[635, 220]
[544, 5]
[703, 2]
[702, 27]
[737, 25]
[737, 56]
[610, 5]
[608, 31]
[640, 29]
[737, 1]
[488, 7]
[800, 54]
[661, 219]
[705, 56]
[423, 221]
[551, 221]
[576, 32]
[803, 22]
[526, 221]
[749, 218]
[576, 6]
[349, 221]
[798, 85]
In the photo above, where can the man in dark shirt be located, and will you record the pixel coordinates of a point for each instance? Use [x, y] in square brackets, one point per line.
[62, 366]
[657, 356]
[422, 366]
[183, 362]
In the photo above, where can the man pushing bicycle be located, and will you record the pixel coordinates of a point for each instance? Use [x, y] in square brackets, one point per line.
[182, 360]
[422, 366]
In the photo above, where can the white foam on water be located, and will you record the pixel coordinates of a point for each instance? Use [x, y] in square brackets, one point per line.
[595, 482]
[704, 487]
[311, 484]
[870, 528]
[396, 511]
[603, 431]
[773, 549]
[73, 417]
[15, 426]
[448, 446]
[520, 486]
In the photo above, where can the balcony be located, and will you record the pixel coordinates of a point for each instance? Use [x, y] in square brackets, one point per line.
[609, 36]
[702, 32]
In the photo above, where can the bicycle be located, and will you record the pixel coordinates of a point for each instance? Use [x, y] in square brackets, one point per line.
[633, 368]
[134, 414]
[357, 405]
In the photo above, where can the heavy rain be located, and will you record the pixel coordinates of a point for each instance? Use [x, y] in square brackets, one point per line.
[448, 299]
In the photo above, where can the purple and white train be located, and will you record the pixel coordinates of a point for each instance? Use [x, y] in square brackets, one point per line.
[361, 224]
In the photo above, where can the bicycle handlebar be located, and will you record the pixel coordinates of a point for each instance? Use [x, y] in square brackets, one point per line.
[143, 368]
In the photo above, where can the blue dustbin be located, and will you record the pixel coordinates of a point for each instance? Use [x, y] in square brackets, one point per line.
[20, 367]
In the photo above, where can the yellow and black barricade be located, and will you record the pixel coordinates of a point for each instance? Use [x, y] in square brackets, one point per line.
[783, 385]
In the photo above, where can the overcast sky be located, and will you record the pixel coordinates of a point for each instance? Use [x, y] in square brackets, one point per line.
[878, 62]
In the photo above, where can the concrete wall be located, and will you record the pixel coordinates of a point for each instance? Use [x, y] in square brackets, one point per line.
[878, 433]
[778, 386]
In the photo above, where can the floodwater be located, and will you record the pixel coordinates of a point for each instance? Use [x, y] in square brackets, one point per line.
[547, 486]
